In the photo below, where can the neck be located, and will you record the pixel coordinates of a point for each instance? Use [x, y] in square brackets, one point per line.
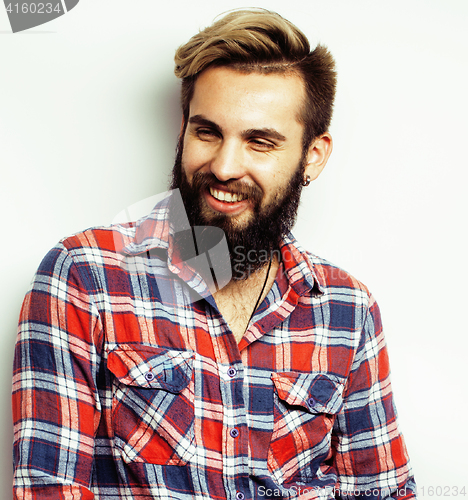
[239, 299]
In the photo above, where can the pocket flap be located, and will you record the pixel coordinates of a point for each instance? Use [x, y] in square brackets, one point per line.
[151, 367]
[317, 392]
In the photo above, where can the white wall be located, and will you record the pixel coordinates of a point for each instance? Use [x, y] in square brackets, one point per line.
[88, 123]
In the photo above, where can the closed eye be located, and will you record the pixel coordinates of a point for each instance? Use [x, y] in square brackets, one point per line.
[207, 134]
[262, 145]
[264, 139]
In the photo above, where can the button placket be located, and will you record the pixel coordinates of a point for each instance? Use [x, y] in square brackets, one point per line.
[230, 370]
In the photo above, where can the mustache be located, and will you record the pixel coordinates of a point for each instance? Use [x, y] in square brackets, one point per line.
[204, 180]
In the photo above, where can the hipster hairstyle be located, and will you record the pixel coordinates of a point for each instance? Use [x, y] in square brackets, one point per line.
[262, 41]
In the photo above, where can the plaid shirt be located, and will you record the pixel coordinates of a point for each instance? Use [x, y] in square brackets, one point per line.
[119, 394]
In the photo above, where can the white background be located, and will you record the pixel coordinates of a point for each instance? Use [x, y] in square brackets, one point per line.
[88, 123]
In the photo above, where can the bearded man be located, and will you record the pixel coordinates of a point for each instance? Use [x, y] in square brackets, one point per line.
[141, 373]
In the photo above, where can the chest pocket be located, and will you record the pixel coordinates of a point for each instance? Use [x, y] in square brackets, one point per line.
[152, 409]
[305, 406]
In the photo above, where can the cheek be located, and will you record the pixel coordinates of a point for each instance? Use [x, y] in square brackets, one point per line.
[194, 157]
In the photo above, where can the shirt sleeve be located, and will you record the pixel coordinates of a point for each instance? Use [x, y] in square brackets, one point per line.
[56, 407]
[371, 456]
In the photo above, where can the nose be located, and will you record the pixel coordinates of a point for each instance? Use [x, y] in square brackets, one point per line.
[228, 161]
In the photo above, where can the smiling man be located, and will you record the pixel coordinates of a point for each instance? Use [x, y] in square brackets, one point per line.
[273, 385]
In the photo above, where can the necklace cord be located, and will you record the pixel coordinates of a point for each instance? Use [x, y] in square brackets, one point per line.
[261, 293]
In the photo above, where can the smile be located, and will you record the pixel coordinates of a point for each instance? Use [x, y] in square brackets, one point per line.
[226, 197]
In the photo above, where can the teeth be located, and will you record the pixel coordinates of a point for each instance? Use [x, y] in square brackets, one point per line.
[226, 197]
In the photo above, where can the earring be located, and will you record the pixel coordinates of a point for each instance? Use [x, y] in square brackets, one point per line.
[306, 181]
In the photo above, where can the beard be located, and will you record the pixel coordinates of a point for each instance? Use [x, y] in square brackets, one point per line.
[251, 244]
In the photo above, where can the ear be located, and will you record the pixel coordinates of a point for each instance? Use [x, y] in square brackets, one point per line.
[318, 154]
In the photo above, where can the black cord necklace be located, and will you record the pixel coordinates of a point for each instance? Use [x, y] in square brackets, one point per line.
[261, 293]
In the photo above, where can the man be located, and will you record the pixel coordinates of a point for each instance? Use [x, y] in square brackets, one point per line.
[141, 372]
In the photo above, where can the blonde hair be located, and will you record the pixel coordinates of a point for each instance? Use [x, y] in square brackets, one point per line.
[258, 40]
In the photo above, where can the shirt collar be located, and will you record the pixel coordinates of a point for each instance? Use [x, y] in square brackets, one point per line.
[151, 231]
[156, 232]
[299, 268]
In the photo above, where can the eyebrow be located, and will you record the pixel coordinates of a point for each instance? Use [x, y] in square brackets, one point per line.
[266, 133]
[199, 120]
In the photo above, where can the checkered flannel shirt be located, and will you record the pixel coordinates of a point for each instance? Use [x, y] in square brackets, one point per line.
[119, 394]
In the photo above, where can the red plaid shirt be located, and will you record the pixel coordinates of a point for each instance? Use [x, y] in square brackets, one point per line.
[119, 394]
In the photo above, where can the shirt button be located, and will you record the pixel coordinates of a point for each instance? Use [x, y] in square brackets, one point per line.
[234, 433]
[311, 402]
[232, 372]
[149, 376]
[240, 495]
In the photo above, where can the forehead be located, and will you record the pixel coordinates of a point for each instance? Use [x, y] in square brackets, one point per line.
[251, 99]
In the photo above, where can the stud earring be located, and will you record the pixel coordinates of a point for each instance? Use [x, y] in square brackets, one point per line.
[306, 181]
